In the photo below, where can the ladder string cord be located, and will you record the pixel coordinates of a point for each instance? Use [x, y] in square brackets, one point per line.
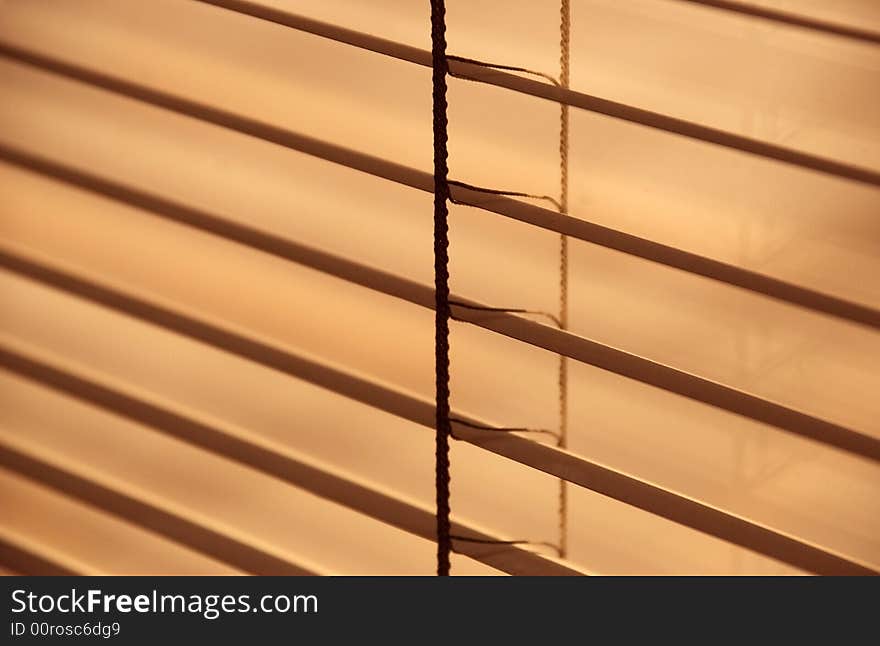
[443, 305]
[441, 282]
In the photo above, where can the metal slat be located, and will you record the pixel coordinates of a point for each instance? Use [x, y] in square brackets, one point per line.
[549, 459]
[528, 213]
[556, 93]
[272, 460]
[132, 507]
[514, 209]
[790, 19]
[516, 327]
[26, 558]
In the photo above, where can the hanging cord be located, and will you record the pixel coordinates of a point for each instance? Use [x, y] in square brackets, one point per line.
[489, 541]
[564, 69]
[443, 310]
[502, 429]
[441, 283]
[506, 310]
[496, 66]
[495, 191]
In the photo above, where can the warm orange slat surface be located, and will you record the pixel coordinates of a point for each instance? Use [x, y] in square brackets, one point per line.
[812, 231]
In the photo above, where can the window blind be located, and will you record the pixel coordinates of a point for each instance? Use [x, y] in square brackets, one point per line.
[217, 338]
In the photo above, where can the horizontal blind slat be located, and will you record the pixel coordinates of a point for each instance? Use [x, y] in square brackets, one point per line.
[28, 558]
[558, 341]
[559, 94]
[127, 505]
[787, 18]
[521, 211]
[296, 470]
[550, 459]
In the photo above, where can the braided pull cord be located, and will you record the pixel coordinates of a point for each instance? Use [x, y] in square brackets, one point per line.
[441, 282]
[564, 67]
